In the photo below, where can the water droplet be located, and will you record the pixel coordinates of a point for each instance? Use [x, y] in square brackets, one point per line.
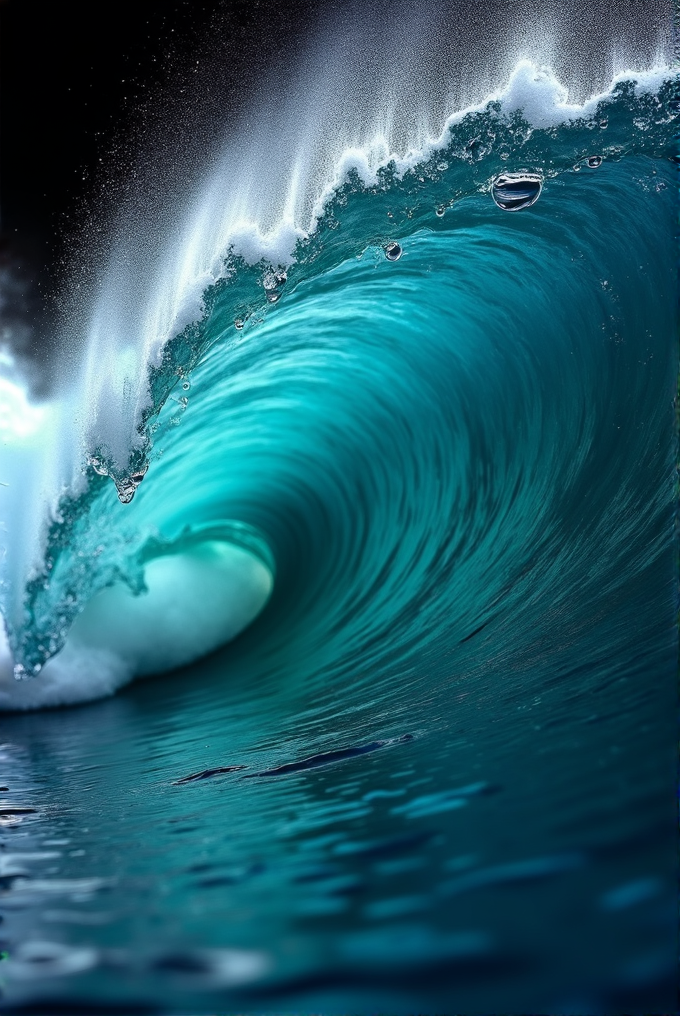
[595, 161]
[440, 211]
[98, 465]
[186, 386]
[127, 485]
[126, 489]
[272, 282]
[514, 191]
[140, 473]
[392, 251]
[238, 324]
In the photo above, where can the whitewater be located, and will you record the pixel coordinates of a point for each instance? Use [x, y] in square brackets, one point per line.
[196, 387]
[338, 554]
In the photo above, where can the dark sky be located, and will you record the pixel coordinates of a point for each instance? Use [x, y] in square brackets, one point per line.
[77, 82]
[74, 81]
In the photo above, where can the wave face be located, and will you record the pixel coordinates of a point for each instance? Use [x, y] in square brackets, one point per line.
[443, 450]
[415, 463]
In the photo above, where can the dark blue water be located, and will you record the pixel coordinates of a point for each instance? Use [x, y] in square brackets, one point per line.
[436, 772]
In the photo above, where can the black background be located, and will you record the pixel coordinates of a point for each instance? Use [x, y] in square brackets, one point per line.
[77, 81]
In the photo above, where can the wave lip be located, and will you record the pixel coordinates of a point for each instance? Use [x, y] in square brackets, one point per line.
[229, 458]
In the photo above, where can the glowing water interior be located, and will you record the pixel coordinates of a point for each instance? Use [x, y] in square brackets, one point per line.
[430, 497]
[305, 349]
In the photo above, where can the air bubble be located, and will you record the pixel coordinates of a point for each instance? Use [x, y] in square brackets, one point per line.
[393, 251]
[603, 124]
[595, 161]
[577, 168]
[126, 489]
[98, 465]
[127, 486]
[272, 282]
[514, 191]
[273, 279]
[238, 324]
[439, 212]
[186, 386]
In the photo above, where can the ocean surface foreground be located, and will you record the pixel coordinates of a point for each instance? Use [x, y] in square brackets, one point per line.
[419, 463]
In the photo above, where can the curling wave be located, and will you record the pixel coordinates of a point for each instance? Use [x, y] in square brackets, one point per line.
[415, 431]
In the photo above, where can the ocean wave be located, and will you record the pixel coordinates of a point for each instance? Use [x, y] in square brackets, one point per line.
[441, 456]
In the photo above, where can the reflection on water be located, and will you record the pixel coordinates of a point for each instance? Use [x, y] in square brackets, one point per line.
[437, 773]
[506, 851]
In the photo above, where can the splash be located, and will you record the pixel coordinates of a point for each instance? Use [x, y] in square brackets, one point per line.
[261, 391]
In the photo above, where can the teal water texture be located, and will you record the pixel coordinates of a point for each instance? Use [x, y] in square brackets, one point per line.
[452, 478]
[414, 448]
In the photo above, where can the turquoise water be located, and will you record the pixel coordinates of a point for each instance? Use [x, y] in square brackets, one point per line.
[443, 486]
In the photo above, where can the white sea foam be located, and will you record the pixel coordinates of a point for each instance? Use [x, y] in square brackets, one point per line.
[194, 602]
[532, 90]
[239, 209]
[153, 286]
[259, 215]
